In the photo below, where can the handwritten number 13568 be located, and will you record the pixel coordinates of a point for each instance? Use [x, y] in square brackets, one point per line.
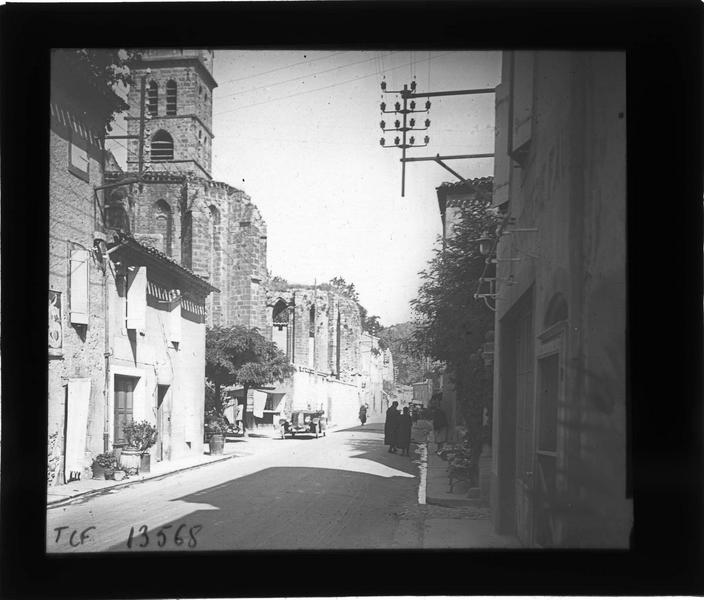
[142, 539]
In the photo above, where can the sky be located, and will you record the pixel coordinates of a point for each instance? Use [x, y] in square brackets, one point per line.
[299, 132]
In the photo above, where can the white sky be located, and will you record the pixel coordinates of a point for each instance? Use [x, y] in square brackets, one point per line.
[299, 132]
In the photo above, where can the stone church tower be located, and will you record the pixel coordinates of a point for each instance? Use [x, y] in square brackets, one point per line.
[207, 226]
[178, 98]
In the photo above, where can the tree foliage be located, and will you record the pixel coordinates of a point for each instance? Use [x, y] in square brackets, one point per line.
[453, 325]
[237, 355]
[409, 363]
[98, 75]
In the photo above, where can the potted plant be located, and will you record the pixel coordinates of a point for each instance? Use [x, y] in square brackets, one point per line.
[216, 430]
[104, 465]
[140, 437]
[119, 474]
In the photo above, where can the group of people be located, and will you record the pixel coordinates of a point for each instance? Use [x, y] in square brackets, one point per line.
[397, 429]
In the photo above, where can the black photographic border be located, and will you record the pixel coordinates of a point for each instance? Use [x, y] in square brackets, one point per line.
[663, 42]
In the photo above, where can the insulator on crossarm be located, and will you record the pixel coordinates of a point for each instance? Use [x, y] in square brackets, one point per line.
[412, 140]
[426, 139]
[397, 123]
[413, 104]
[412, 122]
[397, 106]
[413, 86]
[427, 122]
[382, 141]
[383, 85]
[382, 124]
[383, 106]
[427, 105]
[397, 140]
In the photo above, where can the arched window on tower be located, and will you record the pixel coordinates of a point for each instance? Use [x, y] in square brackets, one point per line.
[162, 146]
[213, 265]
[279, 329]
[164, 225]
[171, 97]
[153, 99]
[187, 239]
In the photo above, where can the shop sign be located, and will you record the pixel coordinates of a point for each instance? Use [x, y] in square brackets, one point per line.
[55, 327]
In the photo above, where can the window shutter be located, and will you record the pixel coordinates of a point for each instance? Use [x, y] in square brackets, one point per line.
[136, 298]
[79, 287]
[175, 322]
[502, 160]
[522, 99]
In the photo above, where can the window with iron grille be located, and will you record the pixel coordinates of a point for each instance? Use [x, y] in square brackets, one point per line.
[153, 99]
[171, 98]
[162, 146]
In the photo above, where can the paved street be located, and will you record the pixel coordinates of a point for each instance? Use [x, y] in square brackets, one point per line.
[341, 491]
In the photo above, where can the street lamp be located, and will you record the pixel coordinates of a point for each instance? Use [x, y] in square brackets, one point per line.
[485, 243]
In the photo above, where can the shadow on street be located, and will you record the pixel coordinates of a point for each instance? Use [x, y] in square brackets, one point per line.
[288, 508]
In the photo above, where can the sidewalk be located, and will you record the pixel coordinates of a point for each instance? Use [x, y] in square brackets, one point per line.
[452, 520]
[93, 487]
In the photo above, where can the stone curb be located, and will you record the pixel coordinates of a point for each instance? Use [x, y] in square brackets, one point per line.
[106, 489]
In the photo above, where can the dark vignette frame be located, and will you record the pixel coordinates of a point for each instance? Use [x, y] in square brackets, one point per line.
[664, 63]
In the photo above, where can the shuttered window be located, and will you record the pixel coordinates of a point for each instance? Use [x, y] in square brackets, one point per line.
[78, 161]
[522, 99]
[153, 99]
[79, 287]
[136, 298]
[162, 147]
[502, 160]
[170, 97]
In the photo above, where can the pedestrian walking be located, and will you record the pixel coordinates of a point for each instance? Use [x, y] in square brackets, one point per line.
[403, 432]
[392, 418]
[439, 428]
[363, 413]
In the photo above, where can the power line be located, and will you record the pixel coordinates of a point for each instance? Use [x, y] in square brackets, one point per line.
[303, 62]
[320, 88]
[262, 87]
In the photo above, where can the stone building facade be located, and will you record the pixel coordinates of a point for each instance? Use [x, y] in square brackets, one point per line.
[559, 472]
[207, 226]
[126, 323]
[338, 366]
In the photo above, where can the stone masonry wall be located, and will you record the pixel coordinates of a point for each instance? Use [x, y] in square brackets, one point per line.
[72, 222]
[328, 305]
[190, 128]
[226, 242]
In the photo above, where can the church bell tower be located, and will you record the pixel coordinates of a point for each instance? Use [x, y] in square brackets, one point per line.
[176, 87]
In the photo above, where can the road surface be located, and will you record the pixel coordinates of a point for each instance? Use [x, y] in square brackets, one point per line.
[341, 491]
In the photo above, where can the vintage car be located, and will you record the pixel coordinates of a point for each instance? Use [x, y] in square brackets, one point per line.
[312, 422]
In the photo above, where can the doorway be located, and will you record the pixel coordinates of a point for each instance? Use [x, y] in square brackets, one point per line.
[163, 424]
[123, 410]
[546, 453]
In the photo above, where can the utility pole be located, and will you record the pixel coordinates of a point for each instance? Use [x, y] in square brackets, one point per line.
[404, 127]
[410, 94]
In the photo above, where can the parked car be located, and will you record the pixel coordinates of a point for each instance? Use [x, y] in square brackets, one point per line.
[312, 422]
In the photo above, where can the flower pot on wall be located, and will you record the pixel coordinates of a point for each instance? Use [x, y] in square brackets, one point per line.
[108, 473]
[119, 475]
[130, 459]
[216, 443]
[98, 471]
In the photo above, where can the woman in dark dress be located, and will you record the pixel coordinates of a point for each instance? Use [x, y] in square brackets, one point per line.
[403, 432]
[392, 417]
[363, 414]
